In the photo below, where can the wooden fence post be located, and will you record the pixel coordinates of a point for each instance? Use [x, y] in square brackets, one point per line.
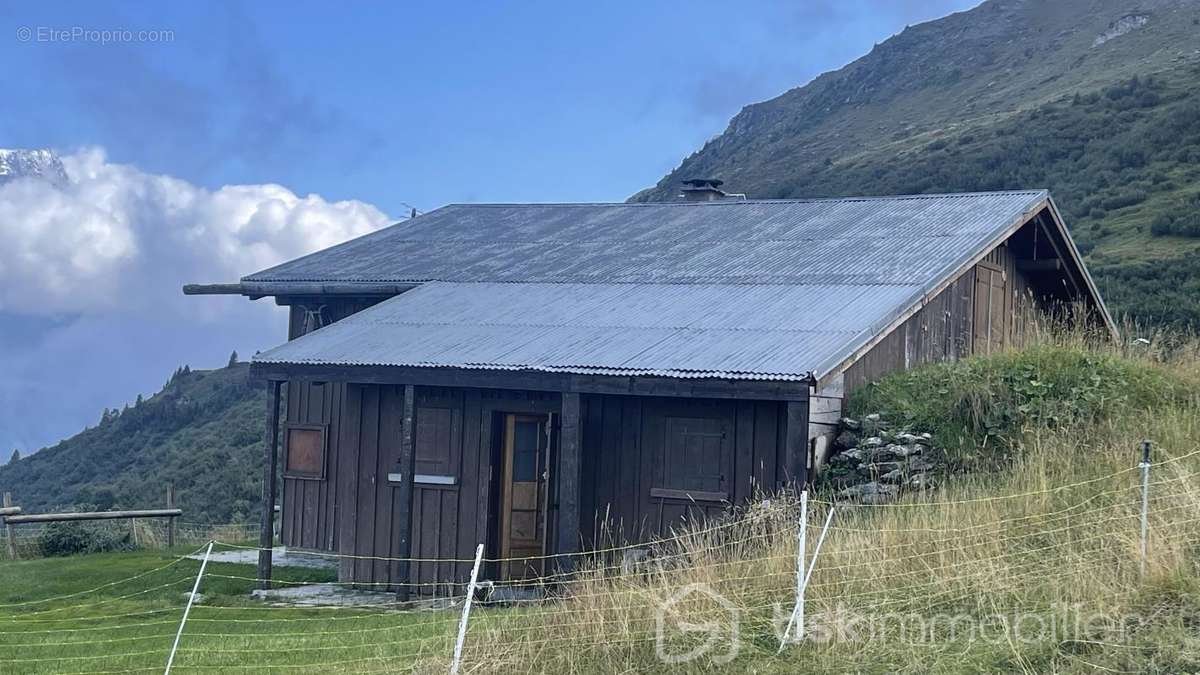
[170, 521]
[404, 492]
[8, 532]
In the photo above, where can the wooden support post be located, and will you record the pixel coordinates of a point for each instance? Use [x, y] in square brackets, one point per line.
[570, 447]
[404, 491]
[170, 521]
[8, 532]
[266, 534]
[795, 469]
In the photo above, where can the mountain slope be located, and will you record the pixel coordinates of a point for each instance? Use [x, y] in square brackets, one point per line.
[43, 164]
[203, 432]
[1097, 100]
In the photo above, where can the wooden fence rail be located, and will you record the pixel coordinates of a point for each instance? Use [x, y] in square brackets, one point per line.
[92, 515]
[12, 516]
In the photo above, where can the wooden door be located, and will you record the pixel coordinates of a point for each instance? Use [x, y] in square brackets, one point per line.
[523, 495]
[993, 309]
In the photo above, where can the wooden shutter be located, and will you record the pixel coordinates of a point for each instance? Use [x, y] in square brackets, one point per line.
[993, 309]
[695, 460]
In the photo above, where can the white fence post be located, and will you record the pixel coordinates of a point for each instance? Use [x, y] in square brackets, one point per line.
[802, 544]
[804, 571]
[1145, 465]
[462, 623]
[188, 609]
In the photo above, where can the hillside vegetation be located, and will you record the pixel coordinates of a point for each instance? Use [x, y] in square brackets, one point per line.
[1097, 101]
[203, 432]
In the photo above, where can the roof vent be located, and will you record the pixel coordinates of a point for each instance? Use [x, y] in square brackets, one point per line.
[706, 190]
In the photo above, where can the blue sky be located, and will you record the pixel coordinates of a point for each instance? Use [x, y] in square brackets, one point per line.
[371, 108]
[423, 103]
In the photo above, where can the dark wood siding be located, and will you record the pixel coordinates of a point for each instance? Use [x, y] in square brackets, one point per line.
[627, 440]
[306, 314]
[648, 464]
[309, 506]
[946, 329]
[437, 507]
[939, 331]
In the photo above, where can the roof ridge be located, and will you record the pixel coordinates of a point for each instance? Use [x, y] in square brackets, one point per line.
[734, 202]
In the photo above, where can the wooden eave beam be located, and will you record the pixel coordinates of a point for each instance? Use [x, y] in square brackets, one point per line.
[1053, 239]
[1040, 265]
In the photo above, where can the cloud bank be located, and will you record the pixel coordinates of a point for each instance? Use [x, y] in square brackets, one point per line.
[90, 278]
[116, 237]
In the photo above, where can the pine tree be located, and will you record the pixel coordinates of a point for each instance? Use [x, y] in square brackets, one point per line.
[232, 360]
[16, 457]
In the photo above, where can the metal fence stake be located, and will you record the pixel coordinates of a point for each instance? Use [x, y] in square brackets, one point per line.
[804, 572]
[1145, 465]
[462, 623]
[797, 616]
[187, 610]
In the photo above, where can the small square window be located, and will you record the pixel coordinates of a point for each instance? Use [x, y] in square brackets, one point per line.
[304, 446]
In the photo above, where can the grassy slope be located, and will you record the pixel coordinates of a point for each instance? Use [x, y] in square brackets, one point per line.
[1050, 538]
[1008, 95]
[203, 432]
[1051, 541]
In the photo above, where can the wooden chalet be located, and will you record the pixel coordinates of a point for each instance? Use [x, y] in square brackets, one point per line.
[519, 374]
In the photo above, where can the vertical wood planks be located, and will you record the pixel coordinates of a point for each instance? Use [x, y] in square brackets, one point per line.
[570, 445]
[348, 480]
[796, 444]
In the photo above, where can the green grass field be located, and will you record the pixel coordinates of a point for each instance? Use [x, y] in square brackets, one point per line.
[118, 612]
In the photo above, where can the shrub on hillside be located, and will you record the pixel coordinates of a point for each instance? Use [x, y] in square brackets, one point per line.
[73, 538]
[984, 406]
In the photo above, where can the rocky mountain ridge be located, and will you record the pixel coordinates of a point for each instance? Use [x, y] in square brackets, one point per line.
[38, 163]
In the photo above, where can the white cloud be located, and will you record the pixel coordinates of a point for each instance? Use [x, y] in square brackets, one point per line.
[91, 307]
[115, 237]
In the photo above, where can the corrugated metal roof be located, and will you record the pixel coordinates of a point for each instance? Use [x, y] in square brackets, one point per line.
[728, 331]
[739, 290]
[879, 240]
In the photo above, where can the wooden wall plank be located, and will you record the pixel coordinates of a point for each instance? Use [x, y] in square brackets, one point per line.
[570, 448]
[767, 416]
[743, 451]
[472, 529]
[795, 451]
[367, 461]
[351, 433]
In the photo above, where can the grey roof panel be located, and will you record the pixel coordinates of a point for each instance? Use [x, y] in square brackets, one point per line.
[727, 331]
[713, 242]
[753, 289]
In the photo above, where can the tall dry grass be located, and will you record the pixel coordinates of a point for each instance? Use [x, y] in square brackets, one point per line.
[1033, 566]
